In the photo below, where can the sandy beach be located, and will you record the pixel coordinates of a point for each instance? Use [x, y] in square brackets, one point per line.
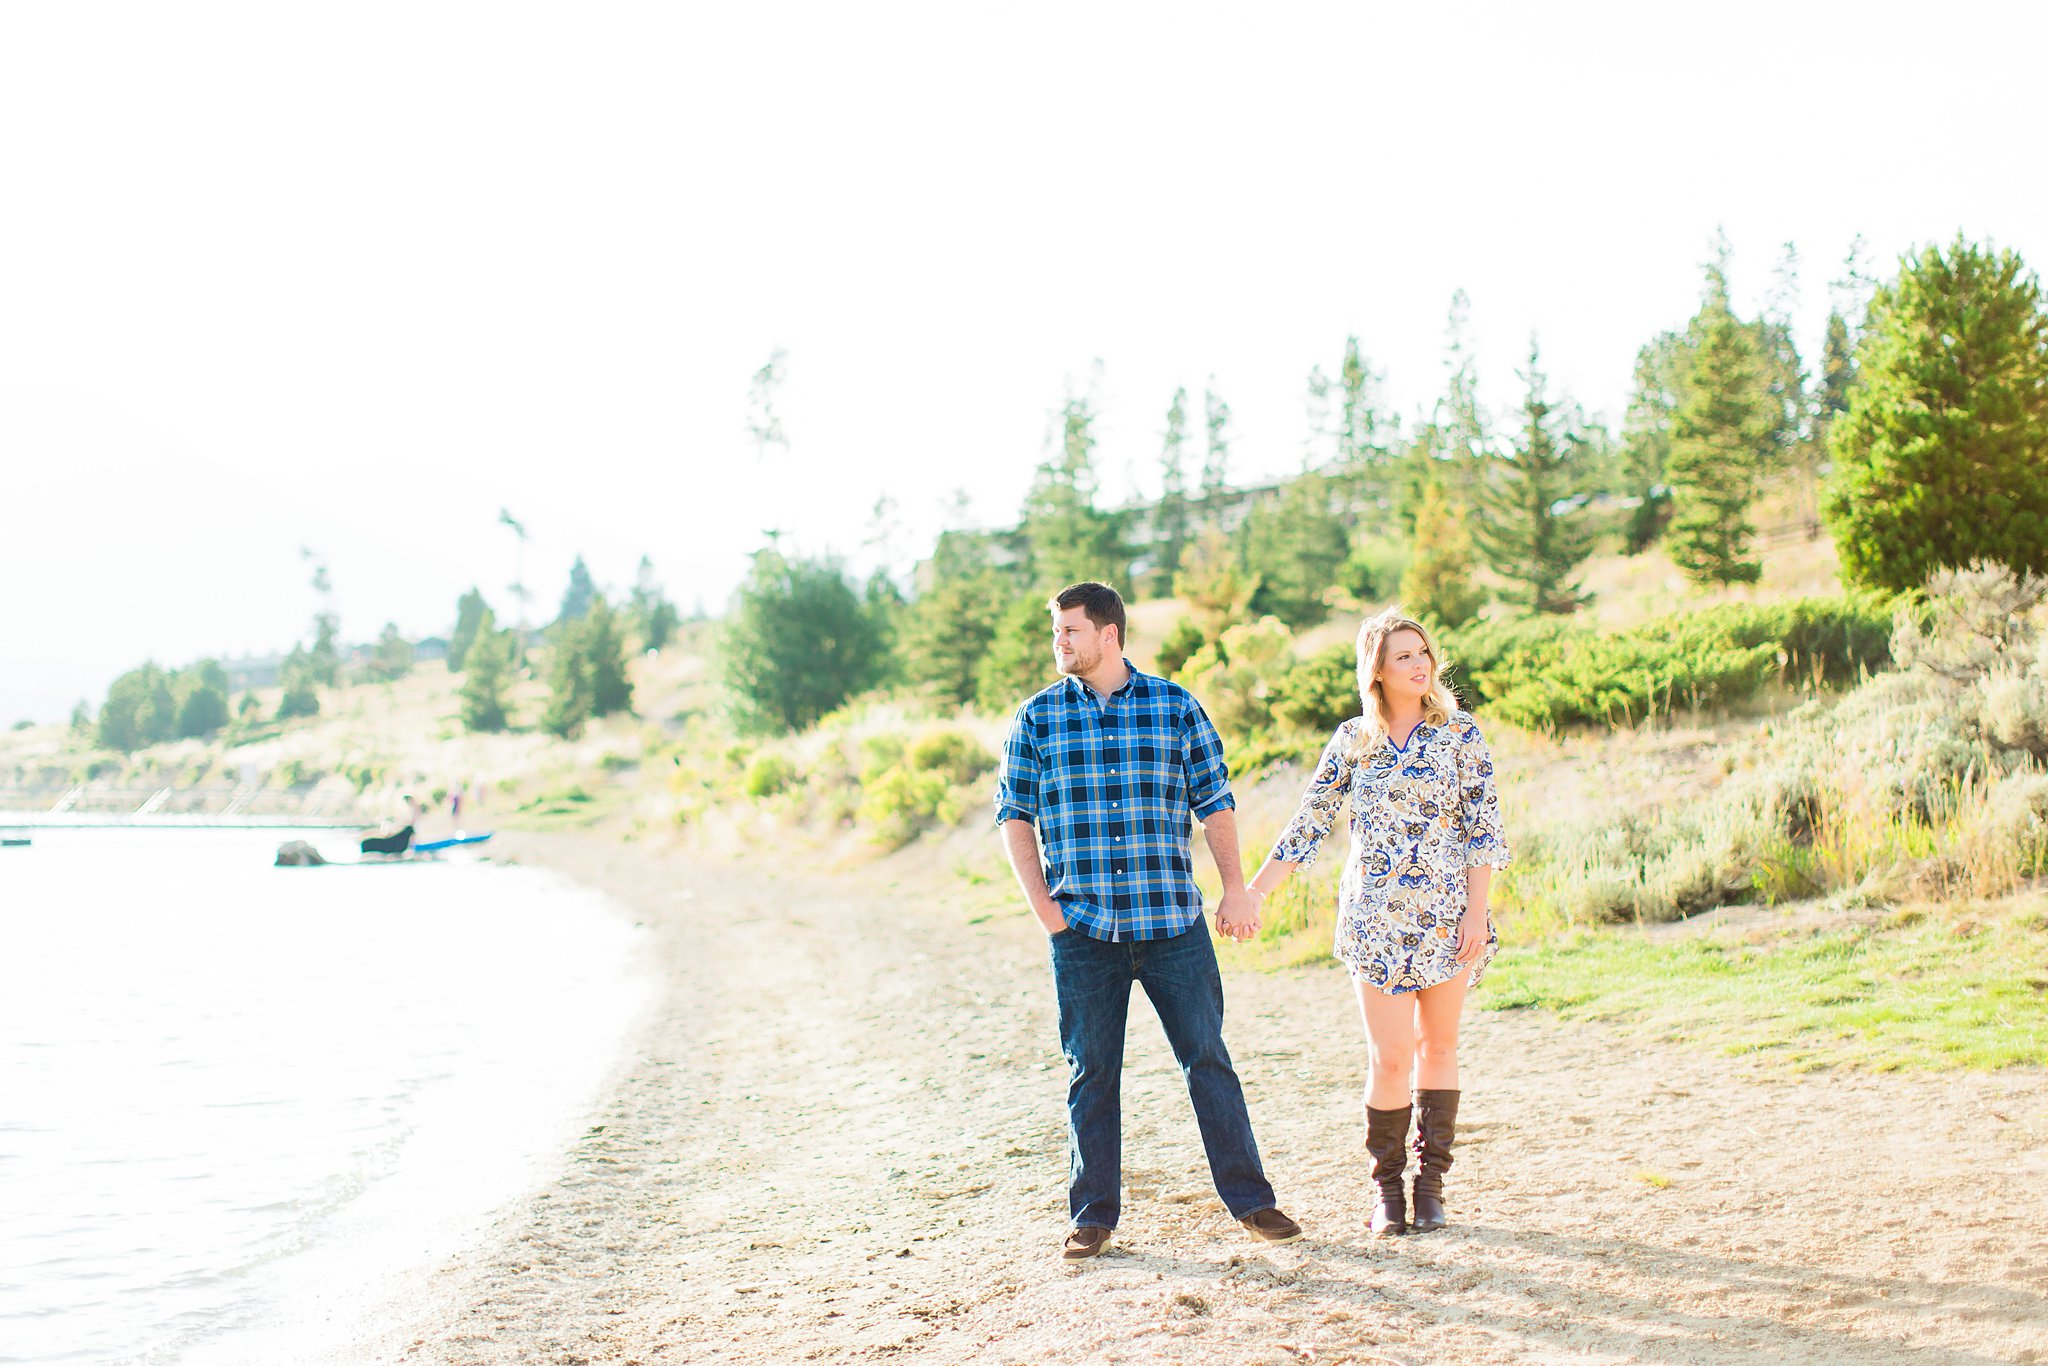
[841, 1137]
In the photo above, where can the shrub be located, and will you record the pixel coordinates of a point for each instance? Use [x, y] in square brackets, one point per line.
[906, 788]
[770, 774]
[1237, 675]
[1319, 692]
[1179, 646]
[1544, 674]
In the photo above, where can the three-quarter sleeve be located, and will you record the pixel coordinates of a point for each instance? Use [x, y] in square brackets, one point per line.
[1208, 776]
[1479, 800]
[1017, 776]
[1328, 793]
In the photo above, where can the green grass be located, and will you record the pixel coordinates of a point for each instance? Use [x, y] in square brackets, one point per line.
[1959, 986]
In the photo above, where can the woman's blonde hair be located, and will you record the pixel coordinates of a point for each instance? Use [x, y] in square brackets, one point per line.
[1437, 703]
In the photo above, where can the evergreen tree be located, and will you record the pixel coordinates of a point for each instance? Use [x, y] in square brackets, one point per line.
[1217, 588]
[1464, 441]
[299, 676]
[122, 724]
[1439, 581]
[1361, 452]
[1837, 373]
[652, 614]
[602, 641]
[1941, 457]
[1170, 527]
[1525, 539]
[1646, 437]
[571, 688]
[1316, 446]
[793, 646]
[948, 629]
[1216, 451]
[1783, 373]
[470, 611]
[887, 612]
[394, 657]
[202, 699]
[486, 674]
[1293, 546]
[1019, 659]
[1720, 433]
[577, 597]
[1072, 540]
[323, 663]
[81, 719]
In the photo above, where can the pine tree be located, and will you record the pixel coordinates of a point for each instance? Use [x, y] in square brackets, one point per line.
[649, 609]
[576, 598]
[1071, 539]
[1464, 441]
[1293, 545]
[1646, 437]
[792, 648]
[394, 656]
[322, 663]
[1316, 446]
[1525, 539]
[470, 610]
[299, 675]
[487, 673]
[1361, 453]
[949, 625]
[1439, 582]
[1720, 432]
[1170, 526]
[1216, 451]
[202, 699]
[571, 689]
[1837, 373]
[603, 644]
[1019, 659]
[1941, 457]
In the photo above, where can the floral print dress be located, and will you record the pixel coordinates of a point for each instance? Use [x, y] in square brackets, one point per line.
[1421, 813]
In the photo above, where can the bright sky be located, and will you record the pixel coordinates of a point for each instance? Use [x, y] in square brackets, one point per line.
[355, 277]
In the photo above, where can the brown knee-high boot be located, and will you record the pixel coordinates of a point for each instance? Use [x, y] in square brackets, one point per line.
[1386, 1140]
[1436, 1126]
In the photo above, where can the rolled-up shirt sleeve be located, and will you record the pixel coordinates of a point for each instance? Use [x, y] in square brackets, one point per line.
[1208, 776]
[1017, 777]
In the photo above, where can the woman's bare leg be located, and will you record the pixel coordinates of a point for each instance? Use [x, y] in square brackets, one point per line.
[1437, 1010]
[1390, 1040]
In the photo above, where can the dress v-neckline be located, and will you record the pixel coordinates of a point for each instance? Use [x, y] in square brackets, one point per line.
[1402, 748]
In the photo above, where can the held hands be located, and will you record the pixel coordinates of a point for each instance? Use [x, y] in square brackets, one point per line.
[1237, 915]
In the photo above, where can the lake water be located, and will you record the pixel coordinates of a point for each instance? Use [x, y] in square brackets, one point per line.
[242, 1107]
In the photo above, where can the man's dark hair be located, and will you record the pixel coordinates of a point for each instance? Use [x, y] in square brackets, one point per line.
[1102, 604]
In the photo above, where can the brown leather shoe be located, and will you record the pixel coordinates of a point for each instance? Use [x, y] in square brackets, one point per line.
[1272, 1226]
[1084, 1242]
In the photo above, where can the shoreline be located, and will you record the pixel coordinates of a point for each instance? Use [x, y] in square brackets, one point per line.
[839, 1133]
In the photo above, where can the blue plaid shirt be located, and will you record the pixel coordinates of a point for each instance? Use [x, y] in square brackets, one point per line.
[1111, 782]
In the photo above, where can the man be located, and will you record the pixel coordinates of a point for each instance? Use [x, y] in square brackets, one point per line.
[1108, 764]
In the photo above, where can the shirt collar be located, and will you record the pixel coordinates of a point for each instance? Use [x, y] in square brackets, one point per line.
[1130, 688]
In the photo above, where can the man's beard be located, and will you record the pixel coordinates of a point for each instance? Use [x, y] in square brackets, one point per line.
[1077, 663]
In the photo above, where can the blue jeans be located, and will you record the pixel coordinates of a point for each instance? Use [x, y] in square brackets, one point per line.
[1093, 979]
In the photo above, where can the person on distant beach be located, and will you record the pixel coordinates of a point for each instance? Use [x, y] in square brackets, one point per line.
[1108, 764]
[1414, 780]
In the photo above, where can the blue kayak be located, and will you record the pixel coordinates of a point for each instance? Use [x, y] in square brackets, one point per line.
[435, 846]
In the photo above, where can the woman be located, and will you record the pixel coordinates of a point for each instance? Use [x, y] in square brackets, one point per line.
[1415, 779]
